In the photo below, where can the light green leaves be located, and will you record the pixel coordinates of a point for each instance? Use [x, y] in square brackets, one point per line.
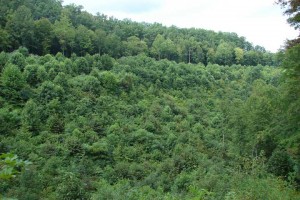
[11, 165]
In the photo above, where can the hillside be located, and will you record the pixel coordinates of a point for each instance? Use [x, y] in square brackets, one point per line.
[95, 126]
[126, 110]
[47, 27]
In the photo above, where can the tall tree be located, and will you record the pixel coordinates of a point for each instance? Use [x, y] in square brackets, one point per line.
[113, 45]
[292, 10]
[20, 27]
[65, 32]
[99, 40]
[224, 54]
[156, 46]
[169, 49]
[252, 58]
[4, 40]
[83, 39]
[239, 55]
[12, 82]
[43, 34]
[135, 46]
[49, 9]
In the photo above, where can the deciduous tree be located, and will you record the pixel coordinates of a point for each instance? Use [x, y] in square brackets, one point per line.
[20, 27]
[65, 32]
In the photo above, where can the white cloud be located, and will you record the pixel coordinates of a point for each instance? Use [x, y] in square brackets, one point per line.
[130, 6]
[260, 21]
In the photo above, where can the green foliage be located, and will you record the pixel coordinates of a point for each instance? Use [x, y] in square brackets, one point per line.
[4, 40]
[47, 26]
[65, 32]
[291, 9]
[12, 82]
[31, 117]
[291, 64]
[33, 75]
[11, 165]
[82, 66]
[172, 131]
[135, 46]
[280, 163]
[71, 187]
[49, 91]
[199, 193]
[20, 27]
[123, 190]
[239, 55]
[83, 39]
[99, 40]
[143, 118]
[257, 188]
[18, 59]
[3, 60]
[224, 54]
[43, 35]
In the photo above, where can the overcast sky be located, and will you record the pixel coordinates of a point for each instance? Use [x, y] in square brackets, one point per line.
[260, 21]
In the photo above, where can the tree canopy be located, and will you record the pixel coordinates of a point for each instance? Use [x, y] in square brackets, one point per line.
[92, 107]
[71, 30]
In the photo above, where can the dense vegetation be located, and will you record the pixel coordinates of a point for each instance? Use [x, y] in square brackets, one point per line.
[44, 26]
[142, 112]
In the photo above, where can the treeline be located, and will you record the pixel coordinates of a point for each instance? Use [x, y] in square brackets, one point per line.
[94, 127]
[45, 26]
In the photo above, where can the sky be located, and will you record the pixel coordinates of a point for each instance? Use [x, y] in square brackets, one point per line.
[261, 22]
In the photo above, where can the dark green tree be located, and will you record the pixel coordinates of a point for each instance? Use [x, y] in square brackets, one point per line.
[4, 40]
[99, 40]
[156, 49]
[134, 46]
[83, 40]
[21, 27]
[292, 10]
[43, 33]
[65, 32]
[31, 117]
[12, 82]
[280, 163]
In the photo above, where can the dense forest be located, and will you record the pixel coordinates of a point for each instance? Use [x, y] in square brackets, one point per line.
[44, 26]
[92, 107]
